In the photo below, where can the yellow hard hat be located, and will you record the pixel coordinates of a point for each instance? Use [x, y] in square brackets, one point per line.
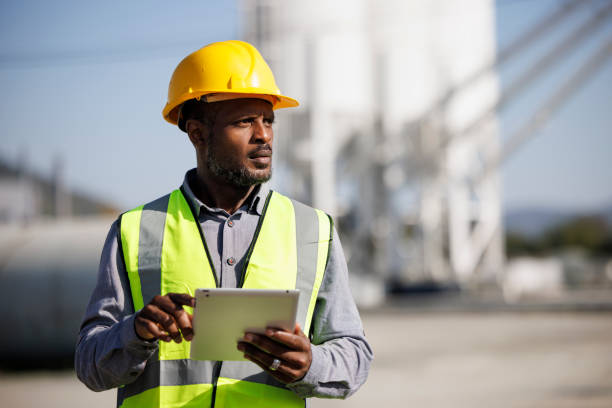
[220, 71]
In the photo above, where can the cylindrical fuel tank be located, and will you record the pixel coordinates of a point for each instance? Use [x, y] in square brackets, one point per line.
[48, 270]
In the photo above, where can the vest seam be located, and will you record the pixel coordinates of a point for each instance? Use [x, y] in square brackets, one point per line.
[331, 237]
[120, 248]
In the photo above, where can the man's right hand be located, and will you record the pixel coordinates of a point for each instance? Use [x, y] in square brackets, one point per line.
[165, 319]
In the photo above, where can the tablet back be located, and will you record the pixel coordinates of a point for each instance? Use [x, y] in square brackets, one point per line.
[222, 316]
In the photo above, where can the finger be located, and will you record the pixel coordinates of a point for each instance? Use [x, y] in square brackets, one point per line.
[152, 328]
[186, 325]
[180, 316]
[167, 322]
[265, 344]
[296, 340]
[182, 299]
[283, 373]
[299, 360]
[166, 303]
[298, 332]
[279, 375]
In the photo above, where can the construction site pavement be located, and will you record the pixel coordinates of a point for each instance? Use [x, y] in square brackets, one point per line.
[468, 359]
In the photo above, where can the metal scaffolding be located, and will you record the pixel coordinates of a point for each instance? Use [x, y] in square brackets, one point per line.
[413, 179]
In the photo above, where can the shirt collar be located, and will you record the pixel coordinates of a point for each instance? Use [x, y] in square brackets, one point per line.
[254, 204]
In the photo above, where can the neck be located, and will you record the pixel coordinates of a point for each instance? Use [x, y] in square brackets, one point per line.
[218, 193]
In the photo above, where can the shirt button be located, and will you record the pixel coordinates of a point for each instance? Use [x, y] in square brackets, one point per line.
[230, 223]
[231, 260]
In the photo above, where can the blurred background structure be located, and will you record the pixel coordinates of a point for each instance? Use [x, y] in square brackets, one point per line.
[463, 148]
[394, 133]
[398, 134]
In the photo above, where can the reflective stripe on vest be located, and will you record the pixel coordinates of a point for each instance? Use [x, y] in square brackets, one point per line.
[164, 252]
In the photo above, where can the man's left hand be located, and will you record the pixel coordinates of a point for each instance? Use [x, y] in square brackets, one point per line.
[291, 349]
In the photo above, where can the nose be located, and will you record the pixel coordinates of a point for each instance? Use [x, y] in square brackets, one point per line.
[262, 131]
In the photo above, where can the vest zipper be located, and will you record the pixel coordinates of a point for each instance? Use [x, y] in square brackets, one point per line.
[216, 373]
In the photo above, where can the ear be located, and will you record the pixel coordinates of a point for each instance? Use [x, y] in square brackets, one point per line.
[197, 132]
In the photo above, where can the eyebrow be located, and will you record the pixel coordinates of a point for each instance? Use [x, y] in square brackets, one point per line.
[238, 116]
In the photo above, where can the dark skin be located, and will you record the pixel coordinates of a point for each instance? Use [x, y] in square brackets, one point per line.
[242, 137]
[291, 348]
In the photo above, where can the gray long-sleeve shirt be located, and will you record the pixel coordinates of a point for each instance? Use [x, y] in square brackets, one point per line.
[110, 354]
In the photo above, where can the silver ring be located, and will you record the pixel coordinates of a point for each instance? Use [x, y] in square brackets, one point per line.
[275, 364]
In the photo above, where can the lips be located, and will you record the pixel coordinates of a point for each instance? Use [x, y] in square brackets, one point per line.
[261, 153]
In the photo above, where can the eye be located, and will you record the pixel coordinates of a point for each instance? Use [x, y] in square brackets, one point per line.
[244, 122]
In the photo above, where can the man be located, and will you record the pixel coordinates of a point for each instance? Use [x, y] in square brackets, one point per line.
[223, 228]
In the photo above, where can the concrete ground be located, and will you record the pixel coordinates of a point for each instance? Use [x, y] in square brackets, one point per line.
[434, 360]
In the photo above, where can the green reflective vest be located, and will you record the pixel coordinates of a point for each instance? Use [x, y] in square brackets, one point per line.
[165, 251]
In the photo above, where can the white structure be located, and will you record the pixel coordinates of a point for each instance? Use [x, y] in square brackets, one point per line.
[53, 264]
[533, 277]
[385, 135]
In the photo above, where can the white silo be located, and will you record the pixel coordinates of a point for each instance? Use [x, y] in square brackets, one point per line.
[380, 86]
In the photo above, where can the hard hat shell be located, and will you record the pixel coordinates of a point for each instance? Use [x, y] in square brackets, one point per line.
[220, 71]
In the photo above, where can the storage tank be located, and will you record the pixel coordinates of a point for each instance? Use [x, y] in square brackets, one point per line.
[383, 80]
[48, 270]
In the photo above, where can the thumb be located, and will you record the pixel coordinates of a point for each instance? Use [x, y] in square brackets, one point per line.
[298, 330]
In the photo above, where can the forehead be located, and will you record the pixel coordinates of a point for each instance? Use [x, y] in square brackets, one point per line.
[241, 107]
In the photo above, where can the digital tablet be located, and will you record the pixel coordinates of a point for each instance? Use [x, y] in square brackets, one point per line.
[222, 316]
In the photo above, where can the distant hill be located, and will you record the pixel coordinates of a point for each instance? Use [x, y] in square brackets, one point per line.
[532, 222]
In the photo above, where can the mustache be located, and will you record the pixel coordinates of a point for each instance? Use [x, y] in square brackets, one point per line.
[261, 148]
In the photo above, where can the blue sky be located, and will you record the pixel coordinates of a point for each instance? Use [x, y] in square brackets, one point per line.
[568, 163]
[87, 81]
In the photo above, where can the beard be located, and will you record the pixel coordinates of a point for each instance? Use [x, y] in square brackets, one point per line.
[234, 173]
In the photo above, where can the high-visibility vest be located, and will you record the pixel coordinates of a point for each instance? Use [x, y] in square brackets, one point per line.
[164, 251]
